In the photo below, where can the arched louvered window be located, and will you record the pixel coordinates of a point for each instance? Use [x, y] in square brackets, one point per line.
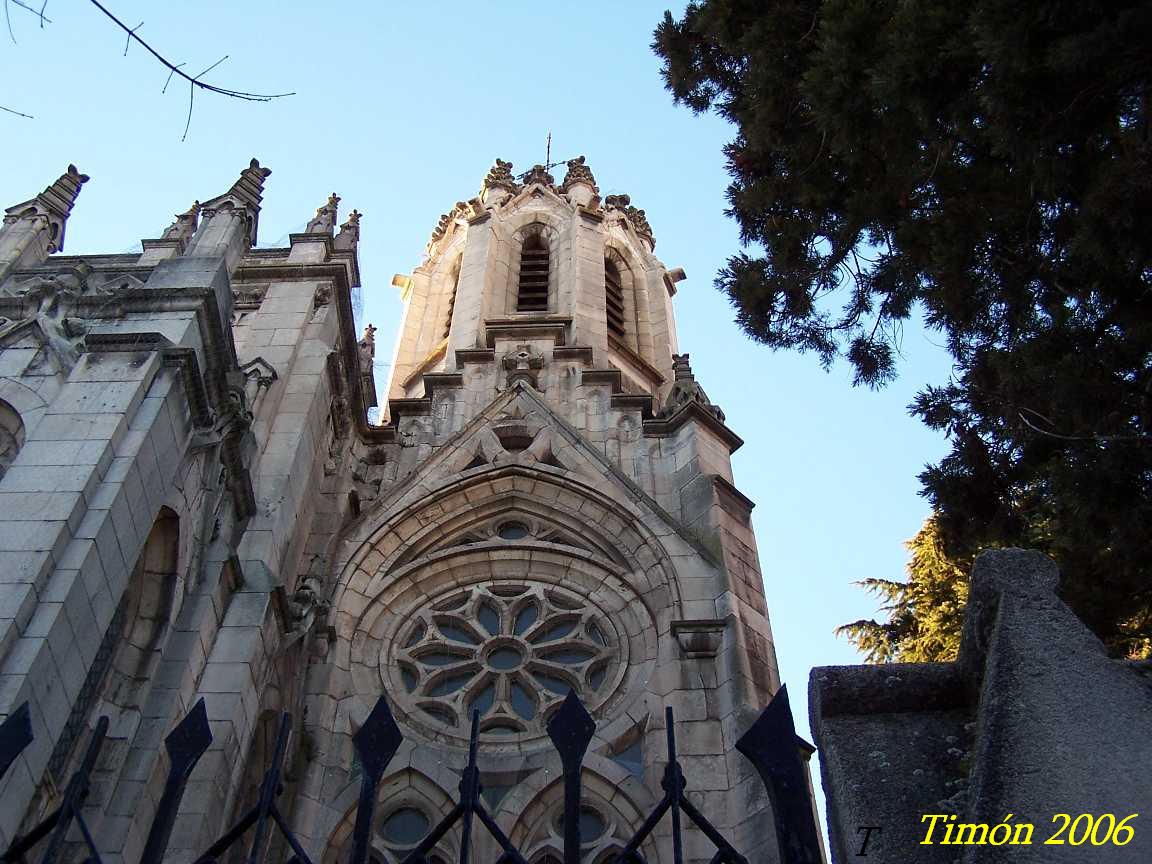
[451, 301]
[532, 292]
[614, 300]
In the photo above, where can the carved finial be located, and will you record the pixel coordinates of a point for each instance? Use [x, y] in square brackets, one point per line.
[578, 172]
[500, 177]
[685, 390]
[539, 174]
[245, 194]
[682, 368]
[325, 219]
[185, 225]
[61, 195]
[349, 234]
[367, 349]
[640, 223]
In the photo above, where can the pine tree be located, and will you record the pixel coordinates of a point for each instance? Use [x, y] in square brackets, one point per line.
[925, 614]
[986, 166]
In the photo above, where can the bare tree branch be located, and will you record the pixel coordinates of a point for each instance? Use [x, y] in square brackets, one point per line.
[17, 113]
[8, 21]
[1136, 439]
[175, 70]
[39, 14]
[128, 39]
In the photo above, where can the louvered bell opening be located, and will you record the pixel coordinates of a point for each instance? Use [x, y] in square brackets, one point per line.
[614, 300]
[532, 295]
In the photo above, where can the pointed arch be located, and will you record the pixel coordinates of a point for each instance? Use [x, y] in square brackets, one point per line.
[120, 676]
[11, 436]
[407, 801]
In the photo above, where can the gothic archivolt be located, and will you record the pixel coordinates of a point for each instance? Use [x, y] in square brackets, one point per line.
[426, 520]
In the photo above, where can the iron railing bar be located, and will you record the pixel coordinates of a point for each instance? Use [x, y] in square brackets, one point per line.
[300, 854]
[269, 789]
[364, 812]
[490, 823]
[87, 835]
[722, 845]
[672, 771]
[434, 836]
[20, 845]
[469, 789]
[231, 836]
[75, 794]
[633, 845]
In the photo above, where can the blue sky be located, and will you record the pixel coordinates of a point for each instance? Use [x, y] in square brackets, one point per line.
[401, 108]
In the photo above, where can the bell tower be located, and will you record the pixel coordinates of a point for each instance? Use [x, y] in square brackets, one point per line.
[536, 261]
[549, 507]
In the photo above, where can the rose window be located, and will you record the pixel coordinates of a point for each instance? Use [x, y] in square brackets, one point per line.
[510, 651]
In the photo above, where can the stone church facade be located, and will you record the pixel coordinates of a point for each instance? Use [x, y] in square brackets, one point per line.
[193, 505]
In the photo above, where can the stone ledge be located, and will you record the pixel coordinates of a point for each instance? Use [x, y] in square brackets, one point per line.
[641, 402]
[554, 327]
[475, 355]
[580, 353]
[665, 426]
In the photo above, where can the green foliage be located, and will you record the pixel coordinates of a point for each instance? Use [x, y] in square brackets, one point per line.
[925, 614]
[985, 165]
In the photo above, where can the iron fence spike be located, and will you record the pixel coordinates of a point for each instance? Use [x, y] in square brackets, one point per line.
[377, 741]
[771, 746]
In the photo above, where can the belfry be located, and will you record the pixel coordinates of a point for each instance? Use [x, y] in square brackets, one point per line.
[194, 507]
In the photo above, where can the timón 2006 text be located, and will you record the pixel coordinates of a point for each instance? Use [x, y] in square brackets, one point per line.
[1074, 830]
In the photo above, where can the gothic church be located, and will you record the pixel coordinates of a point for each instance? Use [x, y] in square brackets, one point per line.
[194, 506]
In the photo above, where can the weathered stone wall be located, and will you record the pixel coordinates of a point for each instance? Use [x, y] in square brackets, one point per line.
[1033, 719]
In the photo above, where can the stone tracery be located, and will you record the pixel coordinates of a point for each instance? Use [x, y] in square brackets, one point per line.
[508, 650]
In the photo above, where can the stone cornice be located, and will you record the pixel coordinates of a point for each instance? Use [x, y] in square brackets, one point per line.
[666, 426]
[554, 327]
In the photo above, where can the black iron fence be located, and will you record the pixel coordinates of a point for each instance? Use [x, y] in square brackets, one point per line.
[770, 744]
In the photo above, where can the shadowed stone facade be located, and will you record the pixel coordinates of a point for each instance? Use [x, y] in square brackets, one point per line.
[193, 505]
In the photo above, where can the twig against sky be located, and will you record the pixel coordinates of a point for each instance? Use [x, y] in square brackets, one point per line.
[194, 82]
[174, 69]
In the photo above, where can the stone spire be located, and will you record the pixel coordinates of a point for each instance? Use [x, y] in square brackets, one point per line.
[34, 229]
[185, 225]
[245, 194]
[349, 234]
[325, 219]
[228, 222]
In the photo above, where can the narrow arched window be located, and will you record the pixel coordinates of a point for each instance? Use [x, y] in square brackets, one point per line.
[11, 436]
[532, 292]
[119, 679]
[451, 301]
[614, 300]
